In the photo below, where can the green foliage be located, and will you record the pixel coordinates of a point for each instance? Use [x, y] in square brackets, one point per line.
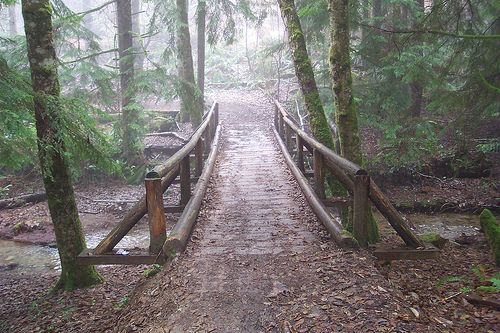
[155, 269]
[122, 303]
[449, 279]
[492, 145]
[409, 146]
[4, 191]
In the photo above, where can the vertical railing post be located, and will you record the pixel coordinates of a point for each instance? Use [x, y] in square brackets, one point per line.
[276, 110]
[198, 153]
[288, 137]
[300, 152]
[319, 176]
[216, 115]
[156, 212]
[280, 125]
[185, 180]
[360, 208]
[207, 138]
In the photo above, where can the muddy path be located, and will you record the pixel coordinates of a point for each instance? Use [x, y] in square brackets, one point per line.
[259, 261]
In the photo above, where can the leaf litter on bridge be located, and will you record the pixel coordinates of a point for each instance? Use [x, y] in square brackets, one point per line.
[216, 286]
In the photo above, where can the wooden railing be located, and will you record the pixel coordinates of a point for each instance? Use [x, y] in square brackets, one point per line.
[203, 142]
[354, 178]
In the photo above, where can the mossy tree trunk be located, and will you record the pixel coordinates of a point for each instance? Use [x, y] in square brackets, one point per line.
[51, 150]
[190, 95]
[130, 111]
[345, 109]
[201, 25]
[305, 75]
[491, 229]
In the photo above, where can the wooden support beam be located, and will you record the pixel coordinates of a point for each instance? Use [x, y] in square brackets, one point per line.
[360, 209]
[338, 202]
[173, 209]
[333, 227]
[198, 152]
[185, 180]
[393, 217]
[300, 153]
[288, 137]
[402, 252]
[319, 175]
[132, 217]
[280, 125]
[88, 258]
[156, 213]
[180, 233]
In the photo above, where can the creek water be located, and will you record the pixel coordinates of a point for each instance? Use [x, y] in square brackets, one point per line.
[448, 225]
[35, 258]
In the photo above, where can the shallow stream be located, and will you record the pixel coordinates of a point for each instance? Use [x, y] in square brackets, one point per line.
[33, 258]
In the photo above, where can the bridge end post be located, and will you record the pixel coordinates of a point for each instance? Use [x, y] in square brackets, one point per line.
[156, 214]
[360, 209]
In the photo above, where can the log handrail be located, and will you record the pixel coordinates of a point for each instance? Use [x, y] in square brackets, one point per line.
[347, 173]
[168, 171]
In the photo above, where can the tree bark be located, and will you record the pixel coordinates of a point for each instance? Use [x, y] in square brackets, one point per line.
[130, 114]
[305, 75]
[51, 149]
[136, 28]
[191, 99]
[345, 109]
[202, 13]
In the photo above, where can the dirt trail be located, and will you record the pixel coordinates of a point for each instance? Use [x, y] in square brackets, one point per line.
[258, 256]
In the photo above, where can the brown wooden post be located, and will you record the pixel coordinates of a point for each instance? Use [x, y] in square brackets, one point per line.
[208, 138]
[280, 125]
[319, 176]
[276, 111]
[300, 152]
[360, 207]
[216, 115]
[288, 137]
[156, 214]
[198, 152]
[185, 180]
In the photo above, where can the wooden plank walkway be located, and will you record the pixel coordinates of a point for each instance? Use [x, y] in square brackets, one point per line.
[259, 261]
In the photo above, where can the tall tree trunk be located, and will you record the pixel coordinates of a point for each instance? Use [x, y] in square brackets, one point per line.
[191, 99]
[12, 20]
[416, 87]
[136, 28]
[345, 109]
[202, 13]
[51, 150]
[417, 96]
[305, 75]
[130, 113]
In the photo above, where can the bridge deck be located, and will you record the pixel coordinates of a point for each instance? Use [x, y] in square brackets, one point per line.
[258, 256]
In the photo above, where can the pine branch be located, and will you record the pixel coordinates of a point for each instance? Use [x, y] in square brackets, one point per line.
[82, 14]
[435, 32]
[90, 56]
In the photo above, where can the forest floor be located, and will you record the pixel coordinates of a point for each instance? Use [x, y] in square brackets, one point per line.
[337, 290]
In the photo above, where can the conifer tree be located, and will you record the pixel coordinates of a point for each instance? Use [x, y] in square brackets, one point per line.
[70, 239]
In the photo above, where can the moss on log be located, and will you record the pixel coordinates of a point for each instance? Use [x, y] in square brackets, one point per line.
[492, 230]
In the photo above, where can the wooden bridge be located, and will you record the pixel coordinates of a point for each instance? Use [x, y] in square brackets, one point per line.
[258, 200]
